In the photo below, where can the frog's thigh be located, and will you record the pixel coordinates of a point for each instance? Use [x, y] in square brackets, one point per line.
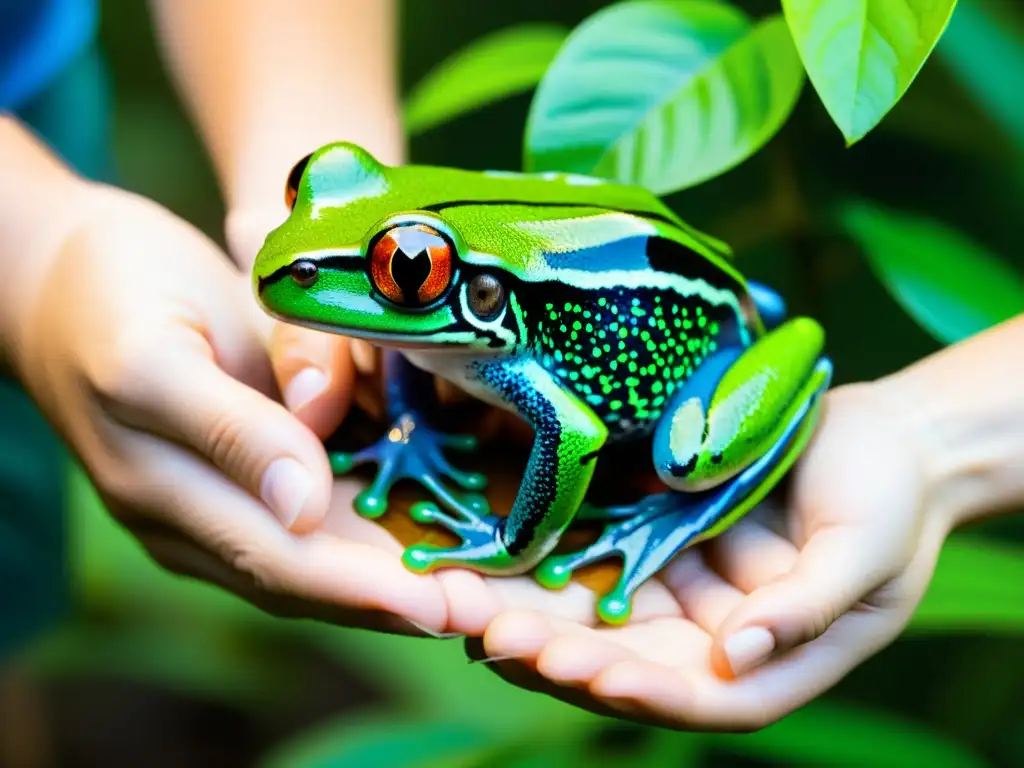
[703, 441]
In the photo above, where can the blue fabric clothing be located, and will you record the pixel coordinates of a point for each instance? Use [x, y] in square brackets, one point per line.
[52, 77]
[38, 40]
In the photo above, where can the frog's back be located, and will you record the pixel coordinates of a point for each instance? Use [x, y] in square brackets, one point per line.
[625, 348]
[618, 297]
[348, 187]
[621, 305]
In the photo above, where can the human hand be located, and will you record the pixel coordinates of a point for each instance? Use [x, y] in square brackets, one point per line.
[737, 633]
[146, 350]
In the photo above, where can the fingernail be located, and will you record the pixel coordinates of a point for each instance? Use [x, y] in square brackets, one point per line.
[748, 648]
[285, 488]
[307, 384]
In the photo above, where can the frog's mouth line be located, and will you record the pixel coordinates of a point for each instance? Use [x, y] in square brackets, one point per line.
[410, 341]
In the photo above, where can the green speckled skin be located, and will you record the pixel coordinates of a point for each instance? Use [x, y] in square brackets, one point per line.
[587, 307]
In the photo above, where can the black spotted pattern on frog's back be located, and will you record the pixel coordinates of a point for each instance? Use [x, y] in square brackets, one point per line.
[624, 351]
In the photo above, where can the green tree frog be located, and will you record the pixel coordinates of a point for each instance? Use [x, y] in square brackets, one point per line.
[585, 306]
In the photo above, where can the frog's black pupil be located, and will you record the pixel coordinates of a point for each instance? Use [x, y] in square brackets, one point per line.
[410, 271]
[304, 273]
[486, 296]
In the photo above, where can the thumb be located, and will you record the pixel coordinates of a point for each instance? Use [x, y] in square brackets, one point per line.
[315, 374]
[837, 568]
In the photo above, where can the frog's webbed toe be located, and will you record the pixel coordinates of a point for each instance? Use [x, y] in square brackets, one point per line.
[415, 451]
[480, 532]
[644, 535]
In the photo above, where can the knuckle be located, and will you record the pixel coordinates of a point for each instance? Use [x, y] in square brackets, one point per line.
[223, 443]
[816, 620]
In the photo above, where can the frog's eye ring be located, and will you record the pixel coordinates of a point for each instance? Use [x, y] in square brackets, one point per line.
[304, 272]
[486, 296]
[411, 265]
[291, 188]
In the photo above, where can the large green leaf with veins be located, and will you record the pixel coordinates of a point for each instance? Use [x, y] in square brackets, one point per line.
[663, 93]
[492, 68]
[862, 55]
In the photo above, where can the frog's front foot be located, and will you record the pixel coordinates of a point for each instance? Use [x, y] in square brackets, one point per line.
[413, 450]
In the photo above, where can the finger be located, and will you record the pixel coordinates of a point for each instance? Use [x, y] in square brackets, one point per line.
[838, 567]
[703, 595]
[570, 653]
[576, 659]
[695, 698]
[245, 230]
[522, 675]
[364, 357]
[522, 634]
[185, 557]
[315, 373]
[320, 575]
[749, 555]
[692, 697]
[178, 392]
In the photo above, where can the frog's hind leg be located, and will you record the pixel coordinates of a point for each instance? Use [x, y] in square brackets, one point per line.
[760, 414]
[412, 449]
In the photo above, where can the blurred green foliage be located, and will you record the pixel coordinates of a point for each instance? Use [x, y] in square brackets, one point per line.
[887, 205]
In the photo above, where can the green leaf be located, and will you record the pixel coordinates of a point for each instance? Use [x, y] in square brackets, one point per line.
[663, 93]
[986, 55]
[494, 67]
[842, 735]
[978, 586]
[862, 55]
[950, 285]
[387, 742]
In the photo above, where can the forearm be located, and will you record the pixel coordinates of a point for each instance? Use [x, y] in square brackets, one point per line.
[268, 82]
[965, 407]
[41, 200]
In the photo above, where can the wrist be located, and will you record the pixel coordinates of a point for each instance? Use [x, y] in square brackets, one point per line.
[42, 202]
[962, 411]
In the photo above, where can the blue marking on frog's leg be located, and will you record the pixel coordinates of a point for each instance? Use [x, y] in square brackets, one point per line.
[648, 534]
[412, 449]
[770, 305]
[561, 463]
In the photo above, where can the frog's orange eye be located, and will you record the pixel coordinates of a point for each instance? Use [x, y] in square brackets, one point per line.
[411, 265]
[291, 188]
